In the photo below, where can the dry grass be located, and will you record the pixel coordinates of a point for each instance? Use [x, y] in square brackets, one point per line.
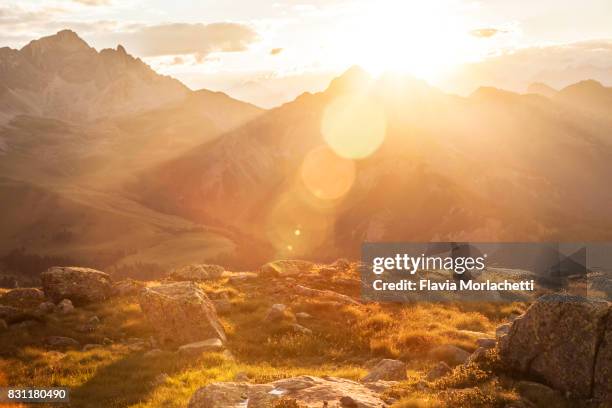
[344, 339]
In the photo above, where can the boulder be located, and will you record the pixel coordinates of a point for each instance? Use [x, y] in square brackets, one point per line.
[23, 295]
[502, 330]
[298, 328]
[200, 347]
[180, 313]
[276, 313]
[540, 395]
[479, 355]
[222, 306]
[65, 306]
[561, 339]
[450, 354]
[197, 273]
[59, 342]
[602, 385]
[128, 287]
[438, 371]
[303, 316]
[305, 391]
[46, 307]
[387, 369]
[3, 326]
[486, 343]
[285, 268]
[91, 346]
[80, 285]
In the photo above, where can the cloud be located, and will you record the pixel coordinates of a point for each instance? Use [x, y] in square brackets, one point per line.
[184, 38]
[485, 32]
[276, 51]
[93, 2]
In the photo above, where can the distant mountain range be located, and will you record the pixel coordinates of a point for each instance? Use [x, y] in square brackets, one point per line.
[103, 159]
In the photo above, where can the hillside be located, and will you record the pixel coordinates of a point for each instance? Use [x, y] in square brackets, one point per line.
[62, 171]
[486, 168]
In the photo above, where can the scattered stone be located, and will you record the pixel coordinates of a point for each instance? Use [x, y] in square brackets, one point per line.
[502, 330]
[450, 354]
[438, 371]
[325, 294]
[106, 341]
[21, 295]
[486, 343]
[305, 391]
[276, 313]
[3, 325]
[46, 307]
[200, 347]
[91, 346]
[128, 287]
[541, 395]
[60, 342]
[80, 285]
[94, 320]
[197, 273]
[387, 369]
[560, 339]
[181, 313]
[300, 329]
[303, 316]
[222, 306]
[65, 306]
[153, 353]
[285, 268]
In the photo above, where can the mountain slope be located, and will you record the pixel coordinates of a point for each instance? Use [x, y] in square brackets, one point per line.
[494, 166]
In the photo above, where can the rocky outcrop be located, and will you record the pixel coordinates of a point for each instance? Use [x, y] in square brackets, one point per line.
[306, 391]
[80, 285]
[197, 273]
[564, 341]
[285, 268]
[128, 287]
[387, 370]
[181, 313]
[20, 295]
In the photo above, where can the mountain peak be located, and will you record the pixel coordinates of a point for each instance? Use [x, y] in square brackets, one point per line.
[353, 79]
[64, 41]
[542, 89]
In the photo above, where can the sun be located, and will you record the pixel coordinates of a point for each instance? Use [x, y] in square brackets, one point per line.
[424, 38]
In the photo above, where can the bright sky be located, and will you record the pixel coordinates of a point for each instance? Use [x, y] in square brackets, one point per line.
[263, 46]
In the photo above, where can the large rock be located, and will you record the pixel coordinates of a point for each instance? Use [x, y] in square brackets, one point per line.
[285, 268]
[197, 273]
[306, 391]
[128, 287]
[387, 369]
[23, 295]
[325, 295]
[181, 313]
[80, 285]
[450, 354]
[602, 383]
[564, 341]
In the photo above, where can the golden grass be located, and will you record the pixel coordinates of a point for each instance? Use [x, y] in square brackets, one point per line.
[343, 340]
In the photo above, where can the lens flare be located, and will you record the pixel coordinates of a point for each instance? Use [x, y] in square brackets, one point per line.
[326, 175]
[353, 126]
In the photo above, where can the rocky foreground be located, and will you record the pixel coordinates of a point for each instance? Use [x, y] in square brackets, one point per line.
[294, 314]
